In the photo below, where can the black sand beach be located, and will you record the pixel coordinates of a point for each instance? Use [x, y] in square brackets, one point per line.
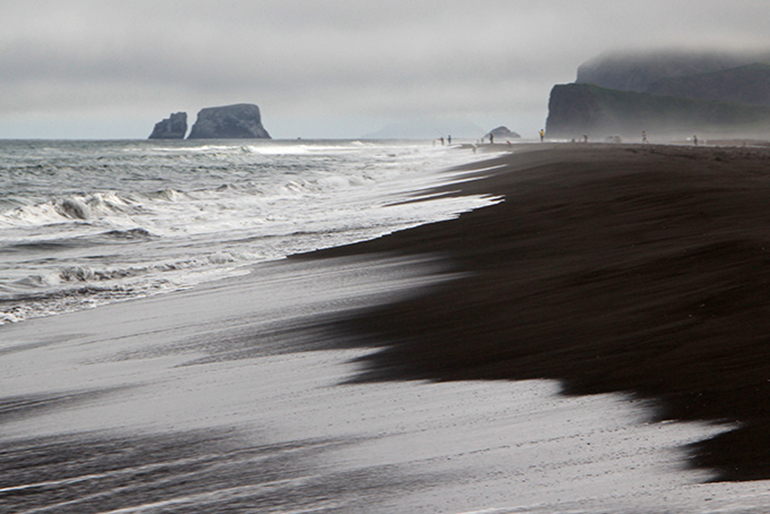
[344, 381]
[642, 269]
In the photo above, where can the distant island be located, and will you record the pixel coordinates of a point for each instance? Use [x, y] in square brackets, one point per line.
[501, 133]
[173, 127]
[666, 94]
[238, 121]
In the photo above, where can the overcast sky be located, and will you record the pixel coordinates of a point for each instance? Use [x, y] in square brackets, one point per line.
[325, 68]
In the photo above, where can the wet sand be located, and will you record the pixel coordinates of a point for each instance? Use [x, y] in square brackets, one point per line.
[642, 269]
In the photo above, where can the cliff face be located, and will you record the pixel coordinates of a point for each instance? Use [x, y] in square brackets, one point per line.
[666, 94]
[239, 121]
[745, 85]
[173, 127]
[576, 109]
[573, 109]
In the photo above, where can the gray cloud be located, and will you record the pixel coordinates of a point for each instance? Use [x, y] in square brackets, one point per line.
[326, 68]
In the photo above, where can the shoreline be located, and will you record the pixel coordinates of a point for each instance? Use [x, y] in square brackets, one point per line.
[239, 396]
[284, 389]
[611, 268]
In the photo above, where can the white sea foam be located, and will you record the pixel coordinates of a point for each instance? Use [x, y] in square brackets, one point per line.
[136, 218]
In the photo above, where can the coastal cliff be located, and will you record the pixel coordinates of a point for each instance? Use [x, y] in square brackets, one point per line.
[577, 109]
[238, 121]
[173, 127]
[669, 95]
[748, 85]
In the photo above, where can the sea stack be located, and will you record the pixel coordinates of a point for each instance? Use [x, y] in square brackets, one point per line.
[239, 121]
[173, 127]
[502, 132]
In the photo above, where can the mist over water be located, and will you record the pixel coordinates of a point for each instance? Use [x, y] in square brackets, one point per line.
[84, 223]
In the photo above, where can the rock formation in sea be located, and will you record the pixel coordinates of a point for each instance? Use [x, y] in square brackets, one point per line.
[502, 133]
[666, 94]
[238, 121]
[173, 127]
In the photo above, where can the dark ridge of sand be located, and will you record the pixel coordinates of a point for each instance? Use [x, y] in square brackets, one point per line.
[643, 269]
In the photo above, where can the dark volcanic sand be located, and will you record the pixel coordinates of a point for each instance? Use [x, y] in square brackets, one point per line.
[643, 269]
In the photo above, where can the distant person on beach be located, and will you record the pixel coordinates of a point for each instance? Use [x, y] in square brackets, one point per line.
[644, 137]
[491, 139]
[442, 140]
[585, 138]
[542, 135]
[695, 140]
[449, 139]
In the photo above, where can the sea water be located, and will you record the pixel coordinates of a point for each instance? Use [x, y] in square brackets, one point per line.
[84, 223]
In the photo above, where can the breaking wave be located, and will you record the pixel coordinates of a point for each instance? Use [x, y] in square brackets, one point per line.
[86, 223]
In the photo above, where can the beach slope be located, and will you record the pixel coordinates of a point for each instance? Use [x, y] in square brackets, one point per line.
[643, 269]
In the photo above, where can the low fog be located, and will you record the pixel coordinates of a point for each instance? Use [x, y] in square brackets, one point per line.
[109, 69]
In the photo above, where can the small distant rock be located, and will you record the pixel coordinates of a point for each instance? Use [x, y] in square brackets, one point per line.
[502, 132]
[239, 121]
[173, 127]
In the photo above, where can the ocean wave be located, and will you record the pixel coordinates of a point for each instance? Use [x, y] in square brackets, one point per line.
[168, 194]
[77, 287]
[68, 275]
[62, 244]
[78, 208]
[74, 208]
[184, 149]
[82, 273]
[131, 234]
[51, 245]
[42, 304]
[287, 150]
[101, 221]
